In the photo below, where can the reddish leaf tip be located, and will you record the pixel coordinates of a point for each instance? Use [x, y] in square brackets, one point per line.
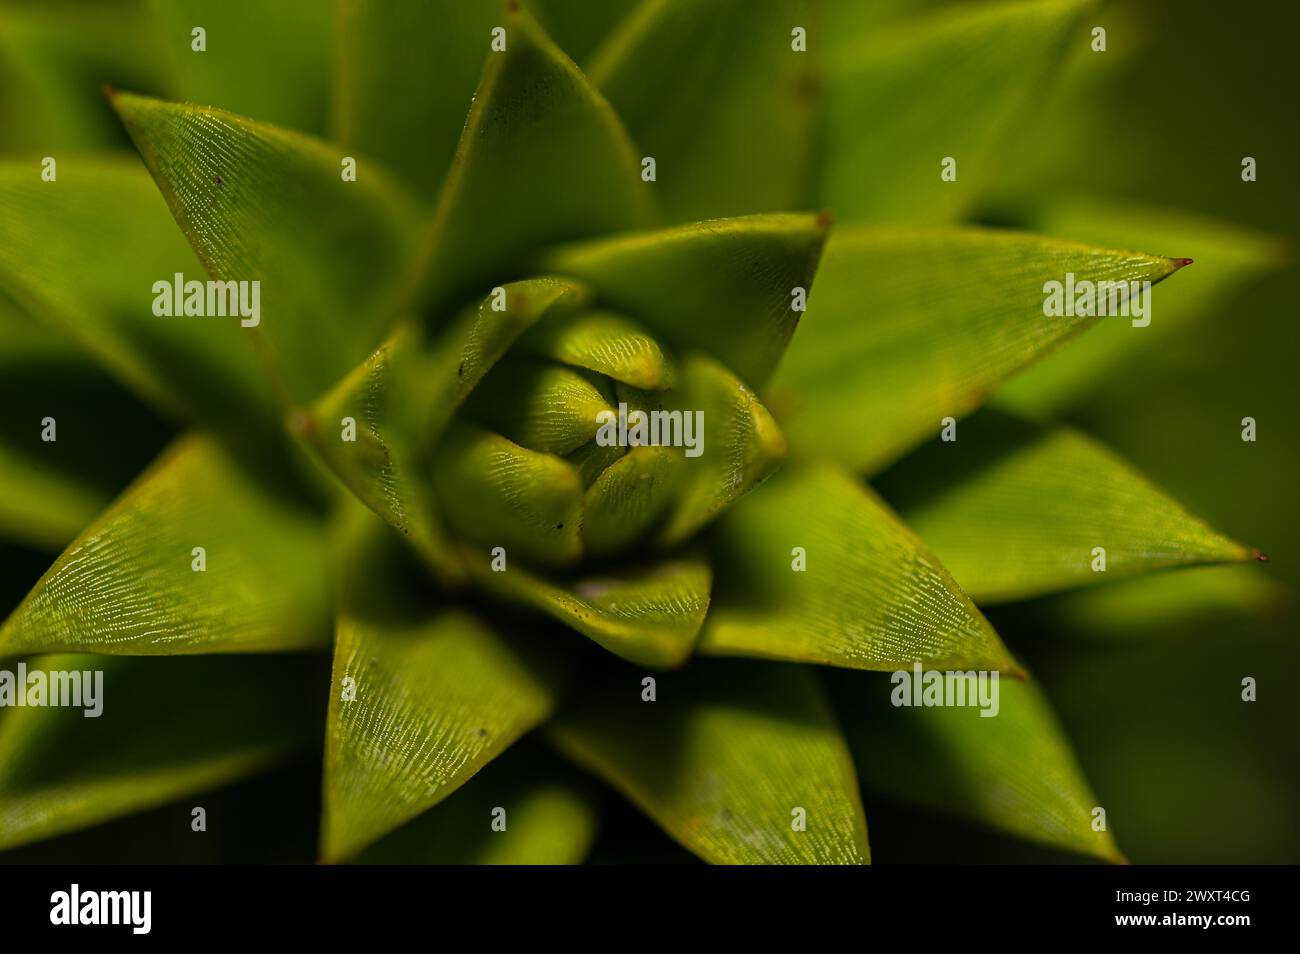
[300, 422]
[1260, 556]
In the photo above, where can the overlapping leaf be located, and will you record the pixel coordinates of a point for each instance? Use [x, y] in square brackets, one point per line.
[909, 326]
[742, 763]
[421, 697]
[1016, 509]
[402, 397]
[869, 594]
[503, 495]
[724, 286]
[542, 405]
[263, 204]
[746, 146]
[629, 498]
[133, 583]
[649, 615]
[542, 159]
[607, 343]
[579, 26]
[738, 445]
[399, 105]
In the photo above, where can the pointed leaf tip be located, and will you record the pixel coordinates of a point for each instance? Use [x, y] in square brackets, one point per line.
[814, 568]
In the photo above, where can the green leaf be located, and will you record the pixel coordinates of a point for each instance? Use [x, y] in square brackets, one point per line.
[1227, 259]
[377, 464]
[899, 100]
[268, 61]
[628, 498]
[607, 343]
[848, 23]
[1165, 605]
[168, 729]
[49, 490]
[542, 406]
[871, 596]
[592, 459]
[55, 263]
[733, 445]
[127, 585]
[41, 505]
[259, 203]
[722, 760]
[435, 694]
[579, 26]
[739, 447]
[502, 495]
[550, 815]
[1170, 743]
[648, 615]
[654, 69]
[437, 378]
[1015, 510]
[739, 273]
[909, 326]
[1014, 771]
[406, 109]
[542, 159]
[402, 397]
[54, 60]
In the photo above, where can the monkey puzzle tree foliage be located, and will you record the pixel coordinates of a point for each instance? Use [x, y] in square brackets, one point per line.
[475, 233]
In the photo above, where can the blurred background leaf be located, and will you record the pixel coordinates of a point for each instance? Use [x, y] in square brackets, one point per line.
[267, 61]
[54, 264]
[951, 84]
[550, 815]
[178, 726]
[408, 110]
[653, 67]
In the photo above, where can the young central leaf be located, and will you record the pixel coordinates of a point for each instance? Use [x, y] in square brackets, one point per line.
[503, 495]
[607, 343]
[545, 407]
